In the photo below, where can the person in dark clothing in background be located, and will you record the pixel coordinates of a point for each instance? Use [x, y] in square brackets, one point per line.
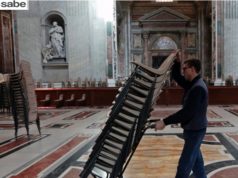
[192, 117]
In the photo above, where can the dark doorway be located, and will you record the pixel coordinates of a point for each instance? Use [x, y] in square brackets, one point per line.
[157, 61]
[6, 44]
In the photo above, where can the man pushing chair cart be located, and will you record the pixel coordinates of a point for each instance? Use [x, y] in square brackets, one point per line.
[128, 120]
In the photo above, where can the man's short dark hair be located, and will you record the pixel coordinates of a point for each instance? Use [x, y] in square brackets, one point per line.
[194, 63]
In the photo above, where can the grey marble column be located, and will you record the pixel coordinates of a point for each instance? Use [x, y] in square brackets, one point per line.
[145, 37]
[183, 36]
[213, 41]
[201, 37]
[219, 42]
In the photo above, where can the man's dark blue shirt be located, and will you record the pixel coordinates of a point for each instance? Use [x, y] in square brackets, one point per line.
[192, 116]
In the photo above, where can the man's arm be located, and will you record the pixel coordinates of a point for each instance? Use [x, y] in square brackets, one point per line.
[190, 108]
[176, 75]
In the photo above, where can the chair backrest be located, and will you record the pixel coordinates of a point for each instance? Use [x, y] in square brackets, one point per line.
[79, 82]
[47, 96]
[86, 82]
[61, 96]
[83, 96]
[72, 97]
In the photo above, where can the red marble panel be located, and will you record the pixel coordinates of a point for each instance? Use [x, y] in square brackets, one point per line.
[14, 143]
[211, 124]
[233, 111]
[10, 145]
[234, 136]
[46, 114]
[213, 115]
[9, 126]
[210, 138]
[162, 114]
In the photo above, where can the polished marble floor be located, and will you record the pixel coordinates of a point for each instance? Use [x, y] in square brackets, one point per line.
[68, 135]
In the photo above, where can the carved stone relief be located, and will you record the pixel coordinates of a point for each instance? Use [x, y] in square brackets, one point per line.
[191, 40]
[191, 56]
[137, 58]
[137, 41]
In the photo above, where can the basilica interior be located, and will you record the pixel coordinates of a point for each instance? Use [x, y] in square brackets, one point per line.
[82, 81]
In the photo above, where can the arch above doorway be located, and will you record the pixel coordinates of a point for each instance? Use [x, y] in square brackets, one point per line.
[160, 50]
[164, 43]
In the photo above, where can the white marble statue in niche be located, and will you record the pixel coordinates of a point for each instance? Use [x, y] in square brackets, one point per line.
[47, 53]
[55, 47]
[57, 40]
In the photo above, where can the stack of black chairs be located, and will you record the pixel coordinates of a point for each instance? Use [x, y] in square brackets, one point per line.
[127, 121]
[19, 101]
[4, 98]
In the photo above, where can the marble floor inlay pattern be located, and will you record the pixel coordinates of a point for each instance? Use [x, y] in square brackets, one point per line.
[82, 115]
[233, 111]
[46, 161]
[46, 114]
[211, 124]
[160, 153]
[69, 134]
[12, 145]
[164, 113]
[59, 125]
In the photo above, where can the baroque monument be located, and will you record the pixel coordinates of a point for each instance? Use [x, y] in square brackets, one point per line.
[55, 48]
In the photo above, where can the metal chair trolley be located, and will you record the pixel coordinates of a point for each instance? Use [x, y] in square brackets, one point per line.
[127, 121]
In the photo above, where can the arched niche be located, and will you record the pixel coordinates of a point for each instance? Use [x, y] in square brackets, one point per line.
[47, 24]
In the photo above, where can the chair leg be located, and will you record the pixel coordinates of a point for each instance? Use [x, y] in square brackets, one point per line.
[15, 118]
[16, 125]
[38, 123]
[26, 122]
[27, 128]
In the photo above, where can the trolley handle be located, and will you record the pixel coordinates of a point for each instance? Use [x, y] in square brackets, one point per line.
[151, 123]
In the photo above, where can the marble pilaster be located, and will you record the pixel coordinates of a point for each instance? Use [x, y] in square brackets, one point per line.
[145, 37]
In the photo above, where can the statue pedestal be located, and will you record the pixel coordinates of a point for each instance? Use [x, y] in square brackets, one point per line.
[57, 61]
[56, 70]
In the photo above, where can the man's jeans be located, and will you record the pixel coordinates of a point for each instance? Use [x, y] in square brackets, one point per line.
[191, 157]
